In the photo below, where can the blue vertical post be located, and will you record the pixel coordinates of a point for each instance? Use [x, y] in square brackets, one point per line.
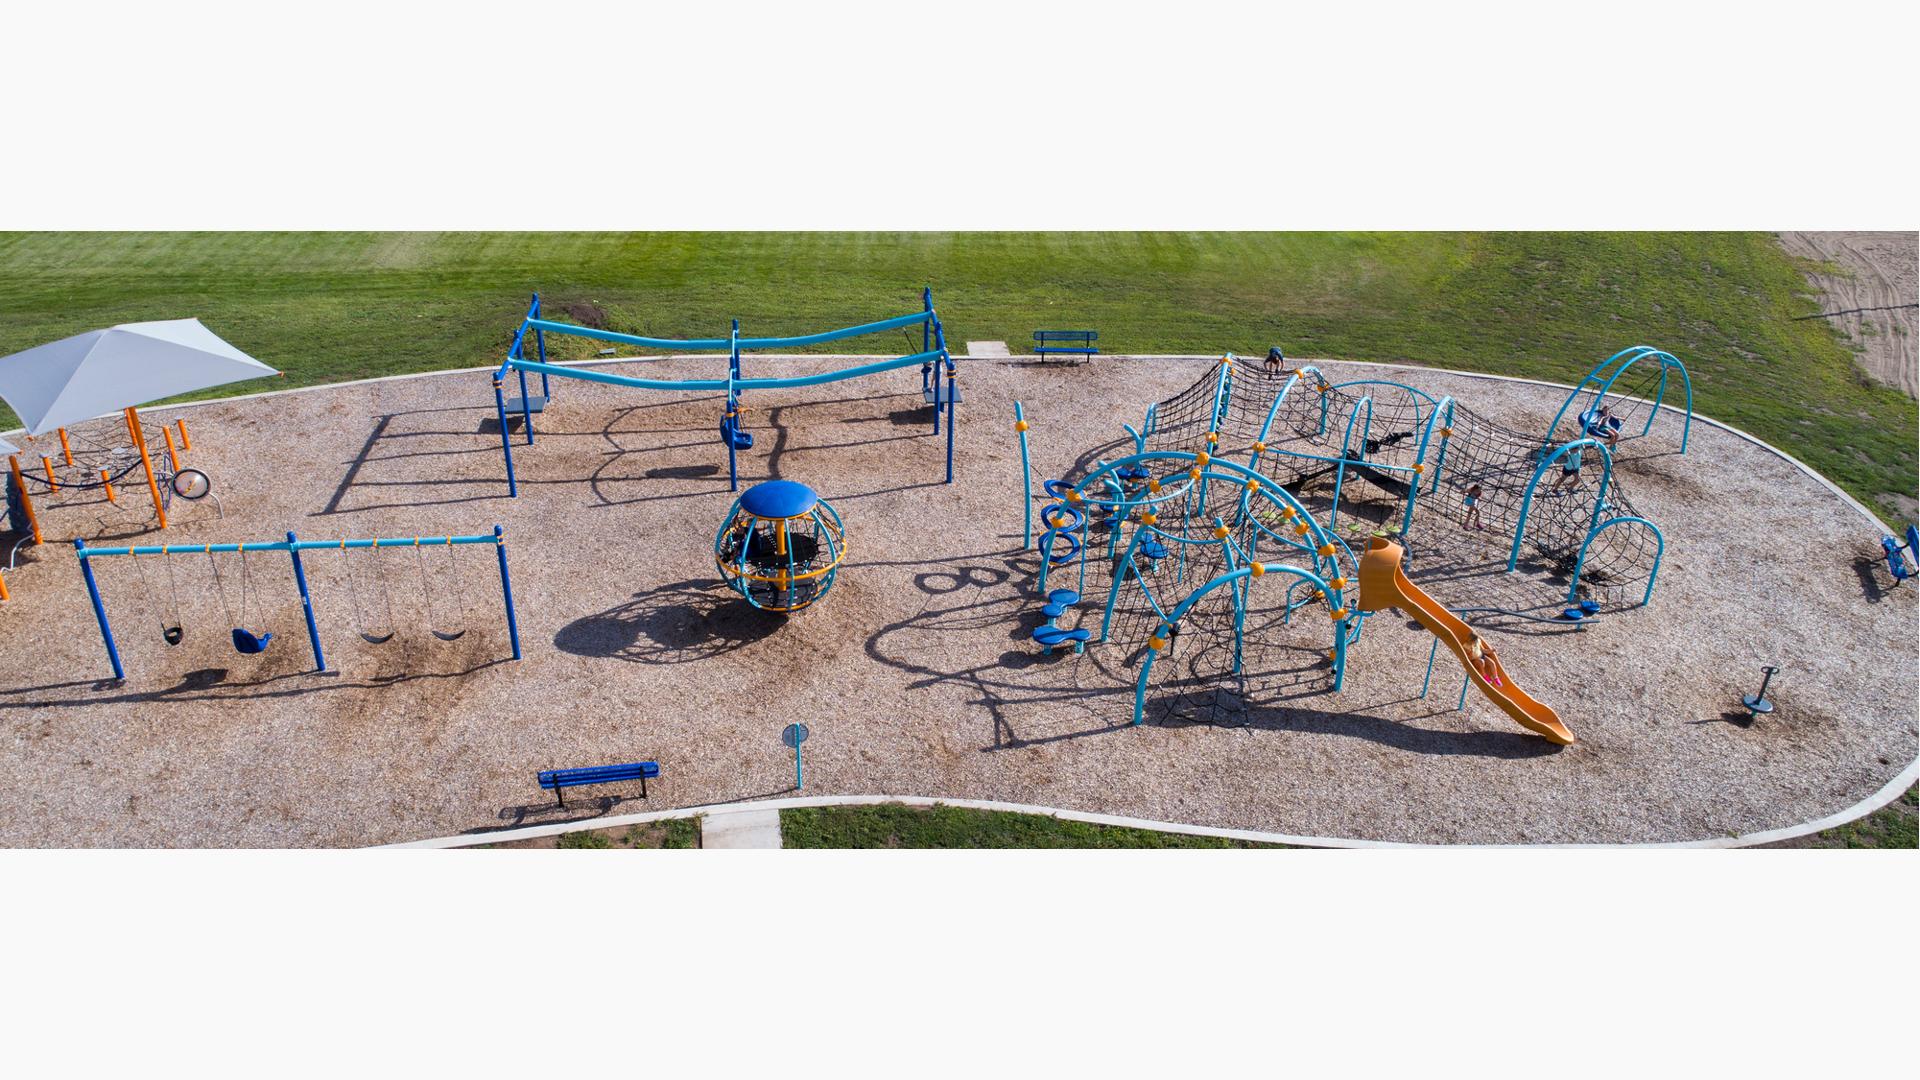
[1431, 653]
[99, 609]
[506, 588]
[799, 777]
[1464, 683]
[526, 408]
[953, 394]
[730, 429]
[1026, 478]
[306, 602]
[506, 444]
[540, 345]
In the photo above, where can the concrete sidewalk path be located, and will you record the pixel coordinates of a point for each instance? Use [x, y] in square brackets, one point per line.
[741, 829]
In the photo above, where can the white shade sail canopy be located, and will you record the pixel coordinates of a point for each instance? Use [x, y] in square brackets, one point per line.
[7, 448]
[105, 371]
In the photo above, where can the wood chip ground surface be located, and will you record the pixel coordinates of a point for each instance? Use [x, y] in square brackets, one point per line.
[916, 675]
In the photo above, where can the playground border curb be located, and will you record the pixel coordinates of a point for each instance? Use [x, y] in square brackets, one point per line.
[1891, 791]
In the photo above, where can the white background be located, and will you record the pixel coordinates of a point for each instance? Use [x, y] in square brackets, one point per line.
[893, 116]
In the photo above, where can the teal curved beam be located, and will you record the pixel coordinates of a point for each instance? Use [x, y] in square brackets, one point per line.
[1526, 503]
[1603, 379]
[1660, 549]
[596, 375]
[1414, 390]
[1444, 405]
[1340, 473]
[1228, 578]
[694, 344]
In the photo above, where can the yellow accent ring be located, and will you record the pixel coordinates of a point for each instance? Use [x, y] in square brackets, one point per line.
[1019, 425]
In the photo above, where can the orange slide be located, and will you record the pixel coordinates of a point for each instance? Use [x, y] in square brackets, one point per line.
[1383, 585]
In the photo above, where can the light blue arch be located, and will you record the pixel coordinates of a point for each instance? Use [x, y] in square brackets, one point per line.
[1608, 371]
[1599, 499]
[1233, 577]
[1660, 548]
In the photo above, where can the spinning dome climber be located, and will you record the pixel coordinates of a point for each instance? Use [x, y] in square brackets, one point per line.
[780, 546]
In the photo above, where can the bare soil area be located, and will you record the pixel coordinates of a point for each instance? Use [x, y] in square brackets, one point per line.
[917, 674]
[1873, 299]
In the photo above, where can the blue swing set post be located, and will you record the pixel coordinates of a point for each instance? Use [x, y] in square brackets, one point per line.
[306, 603]
[506, 589]
[540, 349]
[506, 442]
[99, 609]
[731, 423]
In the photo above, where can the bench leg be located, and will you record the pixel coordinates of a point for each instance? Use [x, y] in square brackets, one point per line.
[643, 787]
[560, 793]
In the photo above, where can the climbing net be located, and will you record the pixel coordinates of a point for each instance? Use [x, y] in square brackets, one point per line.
[1383, 433]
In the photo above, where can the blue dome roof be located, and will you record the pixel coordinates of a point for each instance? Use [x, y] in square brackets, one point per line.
[778, 499]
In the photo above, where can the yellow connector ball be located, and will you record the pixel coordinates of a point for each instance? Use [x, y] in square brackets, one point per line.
[1153, 486]
[1259, 448]
[1301, 529]
[1074, 497]
[1221, 532]
[1419, 469]
[1286, 513]
[1338, 583]
[1212, 437]
[1339, 613]
[1019, 425]
[1446, 433]
[1156, 643]
[1326, 549]
[1149, 518]
[1253, 485]
[1318, 595]
[1193, 474]
[1256, 570]
[1203, 459]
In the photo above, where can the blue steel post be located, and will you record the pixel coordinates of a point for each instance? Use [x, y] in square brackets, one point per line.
[506, 588]
[526, 407]
[506, 444]
[540, 345]
[1026, 478]
[1428, 681]
[99, 610]
[730, 426]
[953, 396]
[799, 777]
[306, 602]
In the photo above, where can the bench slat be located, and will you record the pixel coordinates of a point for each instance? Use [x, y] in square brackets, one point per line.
[553, 779]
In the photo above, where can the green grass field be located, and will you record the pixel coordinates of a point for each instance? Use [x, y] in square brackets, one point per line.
[331, 306]
[892, 826]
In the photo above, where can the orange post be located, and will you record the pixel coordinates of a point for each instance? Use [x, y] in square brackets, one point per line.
[171, 455]
[185, 443]
[26, 500]
[65, 446]
[53, 482]
[3, 588]
[107, 482]
[153, 486]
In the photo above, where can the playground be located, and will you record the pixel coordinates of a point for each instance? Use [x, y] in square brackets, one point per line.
[920, 673]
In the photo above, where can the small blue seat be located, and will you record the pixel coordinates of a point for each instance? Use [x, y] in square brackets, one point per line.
[1153, 549]
[1051, 636]
[1053, 611]
[1063, 596]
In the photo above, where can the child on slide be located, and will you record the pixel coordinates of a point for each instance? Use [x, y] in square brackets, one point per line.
[1472, 503]
[1485, 660]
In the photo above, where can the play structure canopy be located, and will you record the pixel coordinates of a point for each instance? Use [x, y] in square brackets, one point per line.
[105, 371]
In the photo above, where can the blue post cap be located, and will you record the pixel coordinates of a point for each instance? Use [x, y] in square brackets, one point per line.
[778, 499]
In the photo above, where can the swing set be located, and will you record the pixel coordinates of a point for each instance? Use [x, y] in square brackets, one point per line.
[246, 641]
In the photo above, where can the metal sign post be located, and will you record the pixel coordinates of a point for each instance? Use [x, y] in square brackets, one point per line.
[793, 736]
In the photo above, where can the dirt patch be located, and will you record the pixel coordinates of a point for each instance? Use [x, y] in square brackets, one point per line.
[1873, 297]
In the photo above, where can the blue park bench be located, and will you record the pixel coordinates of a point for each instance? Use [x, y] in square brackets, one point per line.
[558, 780]
[1076, 342]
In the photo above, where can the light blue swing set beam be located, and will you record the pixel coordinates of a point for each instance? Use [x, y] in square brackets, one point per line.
[934, 360]
[293, 546]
